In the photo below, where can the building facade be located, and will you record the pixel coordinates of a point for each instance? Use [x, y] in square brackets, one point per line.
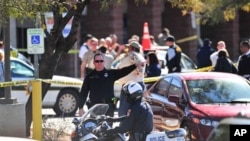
[128, 18]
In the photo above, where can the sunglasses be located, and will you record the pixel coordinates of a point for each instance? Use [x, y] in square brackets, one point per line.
[98, 61]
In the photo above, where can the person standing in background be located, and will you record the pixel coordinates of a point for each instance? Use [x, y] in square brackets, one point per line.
[244, 60]
[203, 54]
[2, 77]
[214, 56]
[108, 58]
[173, 56]
[85, 46]
[133, 56]
[87, 62]
[163, 35]
[224, 64]
[153, 67]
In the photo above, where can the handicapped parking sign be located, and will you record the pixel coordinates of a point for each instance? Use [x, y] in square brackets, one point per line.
[35, 39]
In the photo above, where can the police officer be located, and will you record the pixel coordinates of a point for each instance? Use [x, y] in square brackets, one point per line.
[173, 56]
[133, 55]
[139, 119]
[244, 60]
[99, 85]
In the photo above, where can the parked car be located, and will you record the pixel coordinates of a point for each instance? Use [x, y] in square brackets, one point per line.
[187, 64]
[222, 131]
[62, 98]
[197, 101]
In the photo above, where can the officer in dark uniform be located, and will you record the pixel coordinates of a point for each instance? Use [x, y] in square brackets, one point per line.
[173, 56]
[99, 85]
[244, 60]
[139, 119]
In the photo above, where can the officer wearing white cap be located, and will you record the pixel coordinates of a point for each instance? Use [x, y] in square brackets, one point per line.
[133, 56]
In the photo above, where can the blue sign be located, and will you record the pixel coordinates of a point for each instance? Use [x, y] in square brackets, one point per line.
[35, 39]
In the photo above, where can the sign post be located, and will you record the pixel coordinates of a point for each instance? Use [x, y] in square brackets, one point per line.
[35, 40]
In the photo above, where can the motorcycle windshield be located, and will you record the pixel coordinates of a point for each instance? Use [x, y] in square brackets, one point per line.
[97, 109]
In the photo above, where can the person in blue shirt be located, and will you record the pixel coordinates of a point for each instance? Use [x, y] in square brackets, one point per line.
[2, 77]
[153, 67]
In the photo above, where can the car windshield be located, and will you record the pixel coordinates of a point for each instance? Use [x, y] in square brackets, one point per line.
[205, 91]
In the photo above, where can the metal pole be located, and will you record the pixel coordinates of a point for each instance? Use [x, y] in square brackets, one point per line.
[7, 90]
[36, 64]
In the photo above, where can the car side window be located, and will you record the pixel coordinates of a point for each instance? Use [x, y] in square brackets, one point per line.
[20, 70]
[187, 62]
[175, 88]
[163, 86]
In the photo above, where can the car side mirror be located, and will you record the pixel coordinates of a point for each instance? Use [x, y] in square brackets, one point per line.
[174, 98]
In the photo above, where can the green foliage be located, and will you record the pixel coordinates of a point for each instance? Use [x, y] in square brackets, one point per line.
[212, 11]
[209, 11]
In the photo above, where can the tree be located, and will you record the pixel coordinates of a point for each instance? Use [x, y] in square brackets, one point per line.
[212, 11]
[56, 45]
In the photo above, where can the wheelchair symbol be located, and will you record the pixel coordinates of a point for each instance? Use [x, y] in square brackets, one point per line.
[35, 39]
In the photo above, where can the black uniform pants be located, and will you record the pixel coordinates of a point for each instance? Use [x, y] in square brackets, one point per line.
[137, 137]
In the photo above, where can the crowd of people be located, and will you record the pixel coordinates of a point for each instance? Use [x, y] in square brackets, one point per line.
[220, 59]
[96, 58]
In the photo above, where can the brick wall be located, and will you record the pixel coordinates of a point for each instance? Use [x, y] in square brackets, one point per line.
[181, 27]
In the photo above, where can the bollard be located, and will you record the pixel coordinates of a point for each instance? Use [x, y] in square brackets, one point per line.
[37, 109]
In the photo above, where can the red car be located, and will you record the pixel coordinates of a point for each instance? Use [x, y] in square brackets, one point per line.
[197, 101]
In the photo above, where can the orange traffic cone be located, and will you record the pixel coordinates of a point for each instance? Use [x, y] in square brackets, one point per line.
[146, 42]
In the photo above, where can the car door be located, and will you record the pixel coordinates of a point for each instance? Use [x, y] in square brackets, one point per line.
[166, 114]
[172, 112]
[156, 98]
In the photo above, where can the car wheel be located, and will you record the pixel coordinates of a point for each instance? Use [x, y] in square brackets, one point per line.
[188, 136]
[66, 103]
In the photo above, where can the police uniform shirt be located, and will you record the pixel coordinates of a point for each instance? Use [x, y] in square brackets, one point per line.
[99, 85]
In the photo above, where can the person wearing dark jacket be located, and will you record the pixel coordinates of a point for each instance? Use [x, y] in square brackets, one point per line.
[244, 60]
[139, 119]
[224, 64]
[203, 54]
[173, 56]
[99, 85]
[153, 67]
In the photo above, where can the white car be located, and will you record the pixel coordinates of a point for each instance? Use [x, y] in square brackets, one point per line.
[63, 98]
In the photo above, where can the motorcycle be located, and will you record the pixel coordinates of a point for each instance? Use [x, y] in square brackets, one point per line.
[94, 119]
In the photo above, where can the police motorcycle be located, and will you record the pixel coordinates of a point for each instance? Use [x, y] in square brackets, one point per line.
[94, 119]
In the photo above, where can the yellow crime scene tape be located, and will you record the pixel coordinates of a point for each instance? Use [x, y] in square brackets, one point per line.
[190, 38]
